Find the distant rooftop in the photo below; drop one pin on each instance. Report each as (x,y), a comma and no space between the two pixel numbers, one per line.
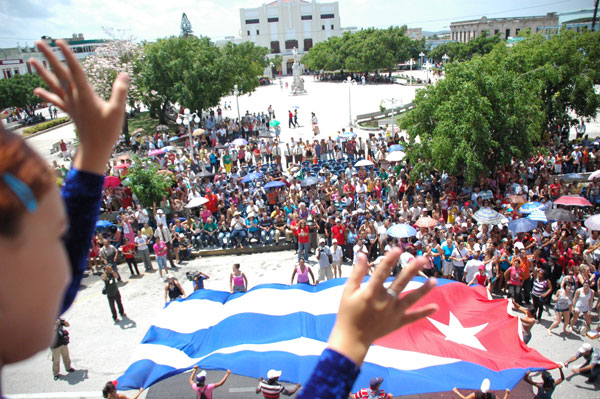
(274,3)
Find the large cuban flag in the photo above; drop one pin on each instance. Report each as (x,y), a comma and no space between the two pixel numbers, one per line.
(286,328)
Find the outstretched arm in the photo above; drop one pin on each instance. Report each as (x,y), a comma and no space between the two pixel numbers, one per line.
(227,373)
(193,375)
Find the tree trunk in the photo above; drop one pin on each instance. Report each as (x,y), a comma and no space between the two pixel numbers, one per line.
(125,128)
(162,117)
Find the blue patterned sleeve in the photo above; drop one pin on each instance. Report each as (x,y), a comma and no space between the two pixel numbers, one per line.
(332,378)
(82,194)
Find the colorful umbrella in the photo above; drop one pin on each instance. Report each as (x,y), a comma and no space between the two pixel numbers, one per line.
(274,123)
(273,184)
(487,216)
(252,176)
(593,222)
(103,224)
(538,215)
(160,128)
(156,152)
(111,181)
(198,132)
(521,225)
(426,221)
(560,215)
(401,230)
(395,147)
(530,207)
(165,172)
(572,200)
(348,135)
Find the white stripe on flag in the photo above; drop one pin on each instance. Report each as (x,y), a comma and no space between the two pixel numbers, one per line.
(269,301)
(385,357)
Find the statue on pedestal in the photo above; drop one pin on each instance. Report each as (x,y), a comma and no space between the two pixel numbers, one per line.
(298,82)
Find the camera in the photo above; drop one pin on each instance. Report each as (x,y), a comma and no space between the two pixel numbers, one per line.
(191,276)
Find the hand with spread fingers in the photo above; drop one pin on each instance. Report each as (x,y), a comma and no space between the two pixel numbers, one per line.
(98,122)
(372,311)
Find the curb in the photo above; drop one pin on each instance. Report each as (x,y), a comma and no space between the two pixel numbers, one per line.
(45,131)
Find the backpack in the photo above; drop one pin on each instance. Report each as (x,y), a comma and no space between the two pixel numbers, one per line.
(202,394)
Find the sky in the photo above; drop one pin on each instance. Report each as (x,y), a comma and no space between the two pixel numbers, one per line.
(24,21)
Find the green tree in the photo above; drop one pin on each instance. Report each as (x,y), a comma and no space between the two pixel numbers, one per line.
(477,119)
(18,92)
(246,63)
(482,45)
(147,184)
(565,68)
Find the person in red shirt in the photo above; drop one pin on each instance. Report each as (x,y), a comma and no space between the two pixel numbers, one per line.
(373,392)
(302,232)
(338,231)
(128,251)
(555,189)
(213,200)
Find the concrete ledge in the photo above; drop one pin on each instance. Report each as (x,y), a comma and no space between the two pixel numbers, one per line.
(45,131)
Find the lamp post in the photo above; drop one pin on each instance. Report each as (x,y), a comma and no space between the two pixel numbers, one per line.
(350,82)
(186,118)
(393,101)
(411,62)
(445,58)
(421,54)
(271,66)
(427,67)
(236,93)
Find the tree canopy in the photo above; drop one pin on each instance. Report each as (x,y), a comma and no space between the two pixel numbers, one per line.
(364,51)
(494,108)
(18,92)
(465,51)
(147,184)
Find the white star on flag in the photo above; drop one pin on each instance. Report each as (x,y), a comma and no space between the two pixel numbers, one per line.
(455,332)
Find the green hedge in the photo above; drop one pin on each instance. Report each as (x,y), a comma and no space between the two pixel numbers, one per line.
(45,125)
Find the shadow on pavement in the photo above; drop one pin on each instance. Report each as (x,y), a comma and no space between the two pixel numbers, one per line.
(126,323)
(75,377)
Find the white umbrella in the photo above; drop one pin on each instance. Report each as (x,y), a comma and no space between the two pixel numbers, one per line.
(395,156)
(363,162)
(538,215)
(594,175)
(197,201)
(593,222)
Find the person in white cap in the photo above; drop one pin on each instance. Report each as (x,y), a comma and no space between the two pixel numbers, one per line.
(271,388)
(325,259)
(199,385)
(483,393)
(591,367)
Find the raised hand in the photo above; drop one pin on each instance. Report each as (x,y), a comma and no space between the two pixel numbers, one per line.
(370,312)
(98,122)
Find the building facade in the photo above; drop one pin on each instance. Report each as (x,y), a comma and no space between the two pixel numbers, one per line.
(13,61)
(466,31)
(283,25)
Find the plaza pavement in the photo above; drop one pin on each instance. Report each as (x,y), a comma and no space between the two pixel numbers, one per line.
(101,350)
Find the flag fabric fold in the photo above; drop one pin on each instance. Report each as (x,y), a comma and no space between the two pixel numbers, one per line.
(274,326)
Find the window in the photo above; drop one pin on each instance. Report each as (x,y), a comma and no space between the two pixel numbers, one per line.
(275,47)
(327,16)
(274,19)
(331,26)
(257,32)
(290,44)
(308,43)
(306,17)
(248,32)
(507,33)
(323,27)
(496,31)
(517,31)
(251,21)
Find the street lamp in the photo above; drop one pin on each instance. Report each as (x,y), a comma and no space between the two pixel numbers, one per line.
(421,54)
(271,66)
(445,58)
(186,118)
(411,63)
(350,82)
(427,68)
(393,101)
(236,93)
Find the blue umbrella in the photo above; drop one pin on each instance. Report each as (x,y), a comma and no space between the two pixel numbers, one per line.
(395,147)
(275,183)
(538,215)
(573,176)
(401,231)
(252,176)
(103,223)
(174,138)
(487,216)
(348,135)
(530,207)
(522,225)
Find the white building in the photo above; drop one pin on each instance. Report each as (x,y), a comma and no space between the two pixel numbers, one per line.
(283,25)
(13,61)
(465,31)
